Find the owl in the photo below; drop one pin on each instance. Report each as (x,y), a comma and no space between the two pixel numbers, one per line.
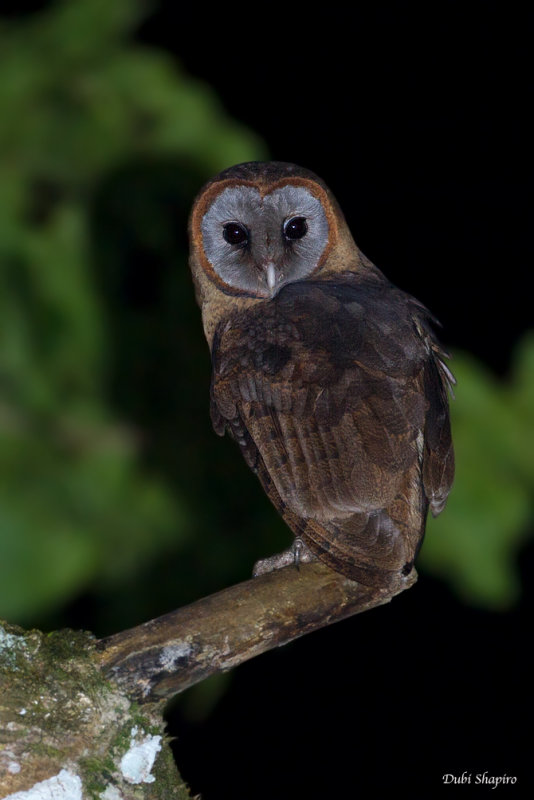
(329,378)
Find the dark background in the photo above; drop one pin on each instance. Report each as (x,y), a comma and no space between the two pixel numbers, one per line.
(416,117)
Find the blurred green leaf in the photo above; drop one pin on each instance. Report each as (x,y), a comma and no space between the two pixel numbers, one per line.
(474,544)
(79,505)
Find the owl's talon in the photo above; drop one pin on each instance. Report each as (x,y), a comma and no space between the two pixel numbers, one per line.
(298,547)
(295,555)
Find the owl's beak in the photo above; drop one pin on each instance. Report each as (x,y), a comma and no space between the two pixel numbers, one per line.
(270,275)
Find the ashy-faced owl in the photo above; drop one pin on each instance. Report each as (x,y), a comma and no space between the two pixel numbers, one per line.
(329,378)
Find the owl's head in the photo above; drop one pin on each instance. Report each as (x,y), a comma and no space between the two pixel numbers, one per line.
(258,226)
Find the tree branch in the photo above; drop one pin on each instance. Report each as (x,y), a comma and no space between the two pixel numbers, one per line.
(68,723)
(163,657)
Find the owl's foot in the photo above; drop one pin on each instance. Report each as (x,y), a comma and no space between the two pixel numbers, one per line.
(297,554)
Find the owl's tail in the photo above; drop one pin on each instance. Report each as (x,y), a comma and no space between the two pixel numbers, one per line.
(370,548)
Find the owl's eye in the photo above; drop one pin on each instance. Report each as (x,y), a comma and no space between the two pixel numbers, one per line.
(235,233)
(295,228)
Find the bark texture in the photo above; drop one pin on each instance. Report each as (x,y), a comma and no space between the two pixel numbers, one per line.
(82,718)
(167,655)
(67,733)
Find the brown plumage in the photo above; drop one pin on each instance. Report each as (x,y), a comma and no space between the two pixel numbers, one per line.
(328,377)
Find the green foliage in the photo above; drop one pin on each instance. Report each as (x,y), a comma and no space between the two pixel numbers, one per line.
(78,101)
(475,542)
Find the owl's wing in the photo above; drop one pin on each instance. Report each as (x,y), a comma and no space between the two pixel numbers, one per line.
(334,392)
(438,454)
